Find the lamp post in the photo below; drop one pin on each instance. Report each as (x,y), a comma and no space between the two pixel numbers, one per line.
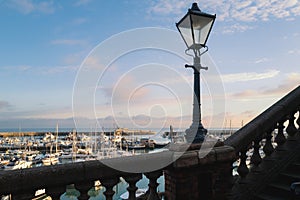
(195,28)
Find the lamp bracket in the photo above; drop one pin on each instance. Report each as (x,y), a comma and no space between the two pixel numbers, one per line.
(197,51)
(206,50)
(186,52)
(196,68)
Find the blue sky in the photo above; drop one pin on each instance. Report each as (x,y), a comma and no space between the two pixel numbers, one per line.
(254,44)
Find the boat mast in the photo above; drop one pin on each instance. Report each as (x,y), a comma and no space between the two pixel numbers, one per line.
(56,137)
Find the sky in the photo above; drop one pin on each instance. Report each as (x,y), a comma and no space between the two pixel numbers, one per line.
(62,62)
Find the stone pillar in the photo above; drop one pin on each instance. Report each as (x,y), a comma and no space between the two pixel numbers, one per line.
(132,179)
(153,176)
(193,176)
(109,184)
(55,192)
(83,189)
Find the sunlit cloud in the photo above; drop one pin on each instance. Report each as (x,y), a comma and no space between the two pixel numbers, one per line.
(231,120)
(4,105)
(291,81)
(250,76)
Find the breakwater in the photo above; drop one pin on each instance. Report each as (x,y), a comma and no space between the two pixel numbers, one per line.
(22,134)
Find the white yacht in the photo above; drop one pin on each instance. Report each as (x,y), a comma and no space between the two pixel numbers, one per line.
(50,159)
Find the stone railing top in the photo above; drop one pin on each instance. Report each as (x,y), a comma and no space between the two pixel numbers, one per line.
(61,175)
(205,156)
(266,121)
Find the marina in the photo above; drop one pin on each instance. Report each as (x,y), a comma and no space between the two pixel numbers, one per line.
(28,150)
(31,150)
(24,150)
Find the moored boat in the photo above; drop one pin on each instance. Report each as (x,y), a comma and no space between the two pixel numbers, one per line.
(50,159)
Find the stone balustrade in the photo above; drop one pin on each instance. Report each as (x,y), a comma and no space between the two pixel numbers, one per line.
(268,131)
(189,174)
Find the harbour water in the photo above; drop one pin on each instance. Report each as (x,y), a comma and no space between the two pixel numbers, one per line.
(120,189)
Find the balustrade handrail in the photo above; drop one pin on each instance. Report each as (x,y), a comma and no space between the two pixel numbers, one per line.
(266,121)
(14,181)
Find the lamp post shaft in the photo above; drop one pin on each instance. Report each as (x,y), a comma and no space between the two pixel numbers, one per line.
(197,100)
(196,133)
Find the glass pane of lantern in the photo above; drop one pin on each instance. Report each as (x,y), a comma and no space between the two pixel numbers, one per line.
(201,27)
(186,30)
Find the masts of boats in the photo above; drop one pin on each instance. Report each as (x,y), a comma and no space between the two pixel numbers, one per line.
(52,158)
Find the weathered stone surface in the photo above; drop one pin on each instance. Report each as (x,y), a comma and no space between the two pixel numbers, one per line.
(189,158)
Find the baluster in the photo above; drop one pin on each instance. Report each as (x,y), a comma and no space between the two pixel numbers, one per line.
(298,121)
(109,184)
(291,128)
(256,158)
(280,139)
(83,189)
(268,148)
(132,179)
(243,168)
(153,176)
(72,191)
(55,192)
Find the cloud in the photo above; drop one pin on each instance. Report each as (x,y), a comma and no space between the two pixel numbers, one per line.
(294,52)
(168,6)
(230,119)
(261,60)
(126,90)
(245,94)
(250,76)
(290,81)
(82,2)
(59,69)
(79,21)
(41,70)
(229,10)
(20,68)
(4,105)
(68,42)
(236,28)
(28,6)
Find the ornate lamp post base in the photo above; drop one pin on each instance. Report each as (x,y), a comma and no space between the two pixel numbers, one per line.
(196,133)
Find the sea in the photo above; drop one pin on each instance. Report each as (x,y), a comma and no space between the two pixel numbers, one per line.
(119,189)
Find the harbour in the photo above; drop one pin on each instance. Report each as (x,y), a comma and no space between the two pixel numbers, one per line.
(20,150)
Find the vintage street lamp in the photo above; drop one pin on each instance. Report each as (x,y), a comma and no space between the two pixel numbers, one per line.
(195,28)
